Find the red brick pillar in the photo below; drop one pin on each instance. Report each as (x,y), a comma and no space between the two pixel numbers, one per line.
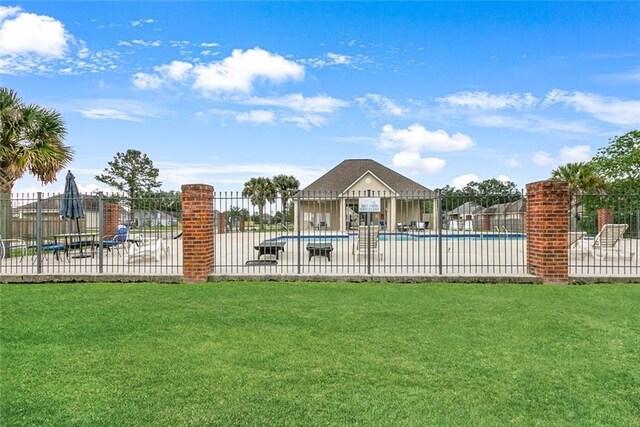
(111,215)
(605,216)
(547,231)
(222,225)
(198,245)
(486,222)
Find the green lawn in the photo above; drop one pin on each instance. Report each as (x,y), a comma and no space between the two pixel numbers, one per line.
(319,354)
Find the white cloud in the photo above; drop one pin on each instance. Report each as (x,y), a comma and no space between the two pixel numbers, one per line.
(311,109)
(298,102)
(145,43)
(328,60)
(462,180)
(416,138)
(116,109)
(108,114)
(630,76)
(307,121)
(146,81)
(141,22)
(176,70)
(566,154)
(414,161)
(304,112)
(542,158)
(7,11)
(606,109)
(253,116)
(27,33)
(531,123)
(513,162)
(338,59)
(209,44)
(257,116)
(238,72)
(380,104)
(487,101)
(577,153)
(503,178)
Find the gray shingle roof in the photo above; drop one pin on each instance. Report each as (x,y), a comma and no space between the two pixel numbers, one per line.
(519,206)
(89,203)
(338,179)
(468,208)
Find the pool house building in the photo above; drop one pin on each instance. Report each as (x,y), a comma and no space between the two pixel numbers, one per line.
(332,201)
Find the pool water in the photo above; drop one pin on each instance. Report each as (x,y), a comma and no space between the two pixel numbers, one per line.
(403,237)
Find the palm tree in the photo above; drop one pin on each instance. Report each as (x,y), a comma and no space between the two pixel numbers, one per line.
(287,186)
(260,191)
(581,178)
(31,140)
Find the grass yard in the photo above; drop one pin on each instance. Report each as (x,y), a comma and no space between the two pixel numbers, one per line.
(319,354)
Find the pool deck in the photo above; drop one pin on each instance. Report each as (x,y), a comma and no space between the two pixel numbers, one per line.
(466,256)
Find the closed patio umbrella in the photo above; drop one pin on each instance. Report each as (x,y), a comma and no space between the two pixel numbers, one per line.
(71,204)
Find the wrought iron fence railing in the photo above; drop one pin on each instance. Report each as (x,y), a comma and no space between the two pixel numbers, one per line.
(604,235)
(404,234)
(351,233)
(118,235)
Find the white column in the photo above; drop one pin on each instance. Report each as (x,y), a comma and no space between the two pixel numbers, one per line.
(391,222)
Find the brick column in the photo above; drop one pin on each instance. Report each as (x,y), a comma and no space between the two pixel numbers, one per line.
(198,245)
(486,222)
(222,224)
(112,217)
(605,216)
(547,231)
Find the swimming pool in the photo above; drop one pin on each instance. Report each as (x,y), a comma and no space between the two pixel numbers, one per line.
(401,237)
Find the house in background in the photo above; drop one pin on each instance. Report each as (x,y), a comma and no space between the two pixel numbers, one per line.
(505,217)
(332,201)
(152,218)
(464,217)
(24,216)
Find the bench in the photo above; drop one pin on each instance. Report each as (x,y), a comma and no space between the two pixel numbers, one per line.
(270,248)
(319,249)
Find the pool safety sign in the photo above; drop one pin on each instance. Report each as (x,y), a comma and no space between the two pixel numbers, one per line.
(369,204)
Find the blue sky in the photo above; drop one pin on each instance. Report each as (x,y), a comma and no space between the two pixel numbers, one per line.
(217,93)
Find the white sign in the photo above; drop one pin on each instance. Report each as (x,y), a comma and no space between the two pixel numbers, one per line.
(369,204)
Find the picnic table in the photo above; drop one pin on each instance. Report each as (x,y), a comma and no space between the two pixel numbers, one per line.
(270,247)
(320,249)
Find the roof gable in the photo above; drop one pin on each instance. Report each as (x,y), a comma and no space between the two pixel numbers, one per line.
(343,176)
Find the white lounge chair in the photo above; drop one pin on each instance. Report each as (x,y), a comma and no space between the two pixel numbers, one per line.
(368,243)
(576,245)
(154,249)
(606,242)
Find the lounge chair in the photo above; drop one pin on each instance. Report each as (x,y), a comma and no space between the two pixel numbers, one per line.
(270,247)
(606,242)
(116,242)
(154,248)
(320,249)
(368,242)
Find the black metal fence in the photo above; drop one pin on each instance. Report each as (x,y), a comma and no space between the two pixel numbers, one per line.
(604,235)
(117,236)
(400,234)
(355,233)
